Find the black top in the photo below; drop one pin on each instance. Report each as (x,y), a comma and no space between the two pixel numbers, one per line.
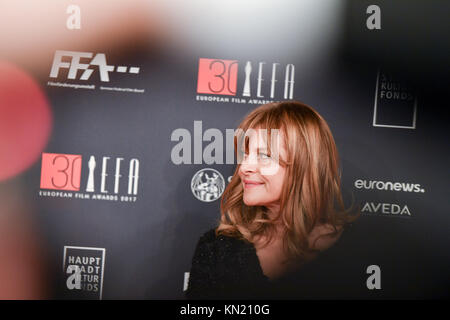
(227,268)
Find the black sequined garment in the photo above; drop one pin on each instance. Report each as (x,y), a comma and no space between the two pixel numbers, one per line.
(227,268)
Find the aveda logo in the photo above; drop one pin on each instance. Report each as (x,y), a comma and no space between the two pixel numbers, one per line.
(386,208)
(391,186)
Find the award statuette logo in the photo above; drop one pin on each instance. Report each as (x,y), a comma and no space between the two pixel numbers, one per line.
(207,185)
(83,269)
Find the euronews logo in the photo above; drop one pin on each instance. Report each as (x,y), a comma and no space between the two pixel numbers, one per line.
(388,186)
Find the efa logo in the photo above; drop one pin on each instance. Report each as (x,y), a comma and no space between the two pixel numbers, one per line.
(217,76)
(63,172)
(72,62)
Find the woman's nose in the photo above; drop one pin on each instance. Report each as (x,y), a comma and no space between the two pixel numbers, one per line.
(249,164)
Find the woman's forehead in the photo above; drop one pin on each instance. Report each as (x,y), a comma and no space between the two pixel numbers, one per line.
(259,138)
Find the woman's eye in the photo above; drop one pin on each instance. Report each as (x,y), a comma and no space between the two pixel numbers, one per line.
(264,156)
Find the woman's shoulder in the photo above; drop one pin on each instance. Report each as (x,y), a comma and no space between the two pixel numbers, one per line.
(223,267)
(221,242)
(209,236)
(226,253)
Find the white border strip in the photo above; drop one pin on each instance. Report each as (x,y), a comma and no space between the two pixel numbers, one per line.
(186,281)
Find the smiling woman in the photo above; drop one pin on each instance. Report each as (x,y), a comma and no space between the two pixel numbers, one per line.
(282,208)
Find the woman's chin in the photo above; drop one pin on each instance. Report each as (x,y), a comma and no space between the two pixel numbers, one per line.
(250,202)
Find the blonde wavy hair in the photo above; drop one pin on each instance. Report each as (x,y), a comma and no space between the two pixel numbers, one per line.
(311,194)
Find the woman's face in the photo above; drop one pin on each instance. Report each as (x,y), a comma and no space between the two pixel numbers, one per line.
(262,176)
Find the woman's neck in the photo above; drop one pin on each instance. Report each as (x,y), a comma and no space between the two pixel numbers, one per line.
(273,211)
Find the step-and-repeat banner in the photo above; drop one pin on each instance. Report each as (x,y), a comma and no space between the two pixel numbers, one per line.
(123,140)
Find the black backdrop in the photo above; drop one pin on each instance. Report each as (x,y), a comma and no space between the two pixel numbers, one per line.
(388,128)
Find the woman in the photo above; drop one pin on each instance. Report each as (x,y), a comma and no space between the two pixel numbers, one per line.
(281,209)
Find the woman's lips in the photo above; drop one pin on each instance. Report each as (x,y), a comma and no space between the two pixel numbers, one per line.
(252,184)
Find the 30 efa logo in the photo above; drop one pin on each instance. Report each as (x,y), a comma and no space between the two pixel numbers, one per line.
(63,172)
(220,77)
(83,269)
(217,76)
